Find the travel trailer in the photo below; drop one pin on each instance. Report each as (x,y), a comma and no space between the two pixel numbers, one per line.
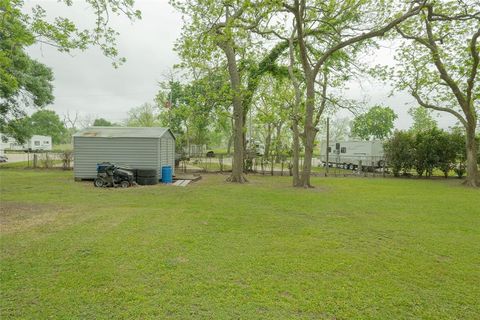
(35,143)
(256,147)
(350,154)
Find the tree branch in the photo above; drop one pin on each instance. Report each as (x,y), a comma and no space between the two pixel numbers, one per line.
(441,68)
(430,106)
(364,36)
(473,72)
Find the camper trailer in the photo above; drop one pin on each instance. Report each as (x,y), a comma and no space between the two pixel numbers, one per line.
(255,147)
(352,154)
(35,143)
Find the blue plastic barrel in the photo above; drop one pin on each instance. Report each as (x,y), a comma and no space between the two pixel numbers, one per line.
(167,174)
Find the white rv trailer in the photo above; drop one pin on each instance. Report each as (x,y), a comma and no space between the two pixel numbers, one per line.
(38,142)
(350,154)
(35,143)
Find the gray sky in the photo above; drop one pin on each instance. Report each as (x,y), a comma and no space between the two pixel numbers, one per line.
(86,82)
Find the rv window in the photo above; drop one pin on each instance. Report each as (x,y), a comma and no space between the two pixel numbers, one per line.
(37,143)
(343,150)
(46,142)
(329,149)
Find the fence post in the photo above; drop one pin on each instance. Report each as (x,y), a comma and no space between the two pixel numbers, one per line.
(35,159)
(383,165)
(271,165)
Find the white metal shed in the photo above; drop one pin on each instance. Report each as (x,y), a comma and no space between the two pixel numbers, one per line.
(139,148)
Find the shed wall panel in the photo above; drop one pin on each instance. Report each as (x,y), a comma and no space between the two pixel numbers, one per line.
(134,152)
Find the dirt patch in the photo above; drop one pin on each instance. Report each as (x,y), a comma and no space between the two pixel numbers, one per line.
(15,216)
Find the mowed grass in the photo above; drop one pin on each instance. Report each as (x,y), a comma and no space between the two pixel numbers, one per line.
(352,248)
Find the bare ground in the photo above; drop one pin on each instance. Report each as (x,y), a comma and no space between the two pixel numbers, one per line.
(15,216)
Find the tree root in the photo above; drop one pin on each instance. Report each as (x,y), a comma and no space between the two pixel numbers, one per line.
(237,179)
(303,185)
(471,184)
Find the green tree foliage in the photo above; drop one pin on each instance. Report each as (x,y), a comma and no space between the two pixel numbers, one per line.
(377,123)
(425,151)
(217,32)
(145,115)
(449,152)
(422,119)
(19,129)
(48,123)
(271,115)
(438,65)
(101,122)
(399,151)
(327,31)
(24,81)
(427,147)
(195,111)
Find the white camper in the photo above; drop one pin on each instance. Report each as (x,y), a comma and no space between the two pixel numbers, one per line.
(35,143)
(351,154)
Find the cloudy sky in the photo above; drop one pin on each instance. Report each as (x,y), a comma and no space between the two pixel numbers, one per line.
(86,82)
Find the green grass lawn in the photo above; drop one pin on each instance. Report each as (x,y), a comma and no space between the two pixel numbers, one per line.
(15,165)
(352,248)
(28,164)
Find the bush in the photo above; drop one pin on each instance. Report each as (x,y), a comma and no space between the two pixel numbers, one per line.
(426,150)
(399,151)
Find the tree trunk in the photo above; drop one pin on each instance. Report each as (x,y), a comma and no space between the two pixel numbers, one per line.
(278,141)
(268,141)
(229,143)
(238,116)
(296,153)
(310,133)
(295,170)
(472,150)
(310,75)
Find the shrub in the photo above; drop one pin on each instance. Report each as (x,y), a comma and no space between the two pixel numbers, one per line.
(426,150)
(399,151)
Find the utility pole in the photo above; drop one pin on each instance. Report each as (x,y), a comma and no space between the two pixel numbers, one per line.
(250,124)
(170,107)
(326,147)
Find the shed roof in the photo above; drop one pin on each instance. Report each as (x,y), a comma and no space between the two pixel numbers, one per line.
(123,132)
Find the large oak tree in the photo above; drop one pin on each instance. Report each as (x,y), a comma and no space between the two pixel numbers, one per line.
(339,25)
(439,66)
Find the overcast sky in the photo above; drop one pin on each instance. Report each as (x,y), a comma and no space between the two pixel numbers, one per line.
(86,82)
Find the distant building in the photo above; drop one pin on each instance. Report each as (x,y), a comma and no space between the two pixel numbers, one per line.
(35,143)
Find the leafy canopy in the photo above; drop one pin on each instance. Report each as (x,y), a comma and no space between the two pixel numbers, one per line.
(24,82)
(377,123)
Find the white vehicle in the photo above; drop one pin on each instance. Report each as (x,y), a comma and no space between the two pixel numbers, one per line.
(352,154)
(39,143)
(256,146)
(3,157)
(35,143)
